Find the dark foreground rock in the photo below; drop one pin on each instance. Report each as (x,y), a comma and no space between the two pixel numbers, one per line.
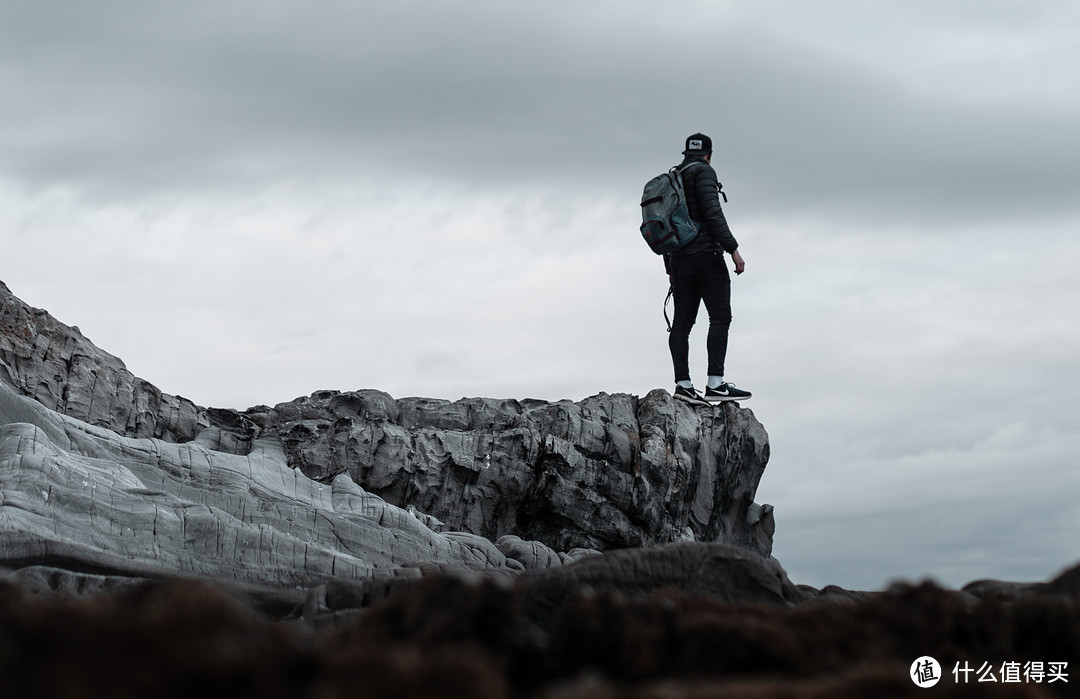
(446,636)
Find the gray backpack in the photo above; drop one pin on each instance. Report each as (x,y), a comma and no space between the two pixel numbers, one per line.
(665,219)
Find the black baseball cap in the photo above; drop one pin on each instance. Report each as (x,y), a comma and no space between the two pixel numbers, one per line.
(698,144)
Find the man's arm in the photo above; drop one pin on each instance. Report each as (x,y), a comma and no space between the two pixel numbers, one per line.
(707,193)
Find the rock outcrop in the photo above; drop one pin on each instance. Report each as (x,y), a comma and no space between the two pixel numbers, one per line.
(100,472)
(54,364)
(611,471)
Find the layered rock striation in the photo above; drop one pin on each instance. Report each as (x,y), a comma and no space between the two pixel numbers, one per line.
(100,472)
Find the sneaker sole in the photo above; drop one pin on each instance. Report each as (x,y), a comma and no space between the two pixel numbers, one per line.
(691,401)
(725,399)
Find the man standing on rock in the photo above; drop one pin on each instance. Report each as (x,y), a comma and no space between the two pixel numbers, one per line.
(698,273)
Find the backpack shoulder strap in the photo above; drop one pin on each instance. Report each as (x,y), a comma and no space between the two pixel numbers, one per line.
(686,166)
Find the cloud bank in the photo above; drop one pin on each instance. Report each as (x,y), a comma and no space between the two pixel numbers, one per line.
(252,201)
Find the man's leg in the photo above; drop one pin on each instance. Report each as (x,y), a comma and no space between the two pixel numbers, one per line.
(715,290)
(687,299)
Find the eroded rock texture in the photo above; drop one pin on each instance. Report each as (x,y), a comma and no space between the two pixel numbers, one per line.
(611,471)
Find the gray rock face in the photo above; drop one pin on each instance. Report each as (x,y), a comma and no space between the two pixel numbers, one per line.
(611,471)
(101,472)
(55,365)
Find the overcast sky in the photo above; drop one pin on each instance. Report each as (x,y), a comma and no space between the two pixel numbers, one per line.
(248,201)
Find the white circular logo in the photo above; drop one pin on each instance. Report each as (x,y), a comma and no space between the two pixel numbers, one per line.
(925,672)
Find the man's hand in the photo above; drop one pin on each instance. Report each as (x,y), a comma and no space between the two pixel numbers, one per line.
(740,264)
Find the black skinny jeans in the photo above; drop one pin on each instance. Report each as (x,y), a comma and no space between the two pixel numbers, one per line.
(696,278)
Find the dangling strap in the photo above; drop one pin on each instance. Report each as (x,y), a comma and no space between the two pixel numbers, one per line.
(670,293)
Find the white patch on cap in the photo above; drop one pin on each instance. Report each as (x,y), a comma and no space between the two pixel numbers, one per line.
(695,145)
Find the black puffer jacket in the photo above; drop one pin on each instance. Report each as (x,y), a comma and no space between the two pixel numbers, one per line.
(703,201)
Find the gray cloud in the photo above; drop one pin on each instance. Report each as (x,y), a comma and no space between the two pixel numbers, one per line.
(251,201)
(133,96)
